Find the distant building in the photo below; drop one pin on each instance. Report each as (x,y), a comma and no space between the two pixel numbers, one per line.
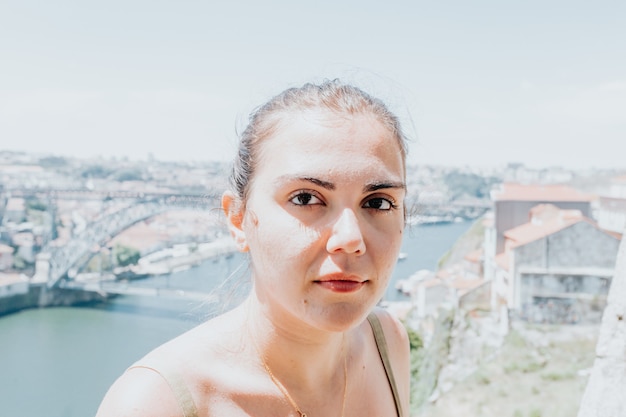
(6,257)
(13,284)
(25,242)
(612,206)
(556,268)
(15,210)
(512,204)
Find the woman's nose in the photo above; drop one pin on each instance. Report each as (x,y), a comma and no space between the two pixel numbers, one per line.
(346,235)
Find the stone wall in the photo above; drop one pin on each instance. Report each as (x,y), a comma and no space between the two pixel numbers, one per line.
(579,246)
(479,297)
(604,395)
(582,245)
(564,278)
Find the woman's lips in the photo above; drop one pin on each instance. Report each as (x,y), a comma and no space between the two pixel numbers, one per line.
(341,285)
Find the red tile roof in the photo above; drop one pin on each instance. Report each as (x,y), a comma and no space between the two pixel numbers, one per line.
(5,248)
(546,219)
(502,260)
(474,256)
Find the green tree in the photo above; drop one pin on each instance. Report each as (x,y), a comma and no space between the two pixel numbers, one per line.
(53,162)
(130,174)
(415,340)
(126,255)
(460,183)
(34,204)
(96,171)
(20,263)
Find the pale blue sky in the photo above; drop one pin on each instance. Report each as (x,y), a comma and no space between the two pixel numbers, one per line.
(477,82)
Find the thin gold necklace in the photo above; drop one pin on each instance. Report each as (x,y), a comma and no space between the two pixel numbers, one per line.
(282,388)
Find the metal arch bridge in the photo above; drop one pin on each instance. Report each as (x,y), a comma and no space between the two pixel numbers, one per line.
(63,258)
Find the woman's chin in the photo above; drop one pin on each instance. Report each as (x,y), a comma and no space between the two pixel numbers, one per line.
(341,318)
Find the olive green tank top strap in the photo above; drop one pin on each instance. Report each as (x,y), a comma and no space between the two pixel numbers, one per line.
(178,387)
(381,344)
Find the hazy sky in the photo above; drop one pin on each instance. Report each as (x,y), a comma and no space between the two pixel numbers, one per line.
(476,82)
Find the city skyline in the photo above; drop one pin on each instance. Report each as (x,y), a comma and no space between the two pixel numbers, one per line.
(482,84)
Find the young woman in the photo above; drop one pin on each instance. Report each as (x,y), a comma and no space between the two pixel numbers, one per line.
(318,202)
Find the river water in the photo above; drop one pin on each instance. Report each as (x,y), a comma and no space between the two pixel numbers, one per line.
(59,362)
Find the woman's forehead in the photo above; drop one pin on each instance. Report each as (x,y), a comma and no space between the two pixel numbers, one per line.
(324,145)
(324,117)
(315,126)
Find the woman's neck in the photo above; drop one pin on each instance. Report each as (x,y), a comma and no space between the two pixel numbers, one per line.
(295,352)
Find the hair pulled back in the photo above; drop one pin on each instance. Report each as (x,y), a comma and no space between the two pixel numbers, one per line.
(331,95)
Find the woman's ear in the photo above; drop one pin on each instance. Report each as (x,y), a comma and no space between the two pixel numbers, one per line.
(233,209)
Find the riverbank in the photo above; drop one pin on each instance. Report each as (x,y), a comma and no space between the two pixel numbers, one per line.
(183,256)
(38,295)
(21,293)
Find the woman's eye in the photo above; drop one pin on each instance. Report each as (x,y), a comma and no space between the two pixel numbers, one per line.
(379,203)
(305,199)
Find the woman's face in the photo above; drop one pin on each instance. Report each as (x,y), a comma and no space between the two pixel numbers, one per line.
(324,218)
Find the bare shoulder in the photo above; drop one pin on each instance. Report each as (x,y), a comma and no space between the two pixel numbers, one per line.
(180,372)
(159,384)
(139,392)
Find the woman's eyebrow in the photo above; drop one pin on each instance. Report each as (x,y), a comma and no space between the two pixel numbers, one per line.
(324,184)
(368,188)
(383,185)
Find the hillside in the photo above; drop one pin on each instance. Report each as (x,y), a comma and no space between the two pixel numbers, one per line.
(540,371)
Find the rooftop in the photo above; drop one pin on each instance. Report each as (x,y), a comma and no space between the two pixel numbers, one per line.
(5,248)
(9,278)
(546,219)
(15,204)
